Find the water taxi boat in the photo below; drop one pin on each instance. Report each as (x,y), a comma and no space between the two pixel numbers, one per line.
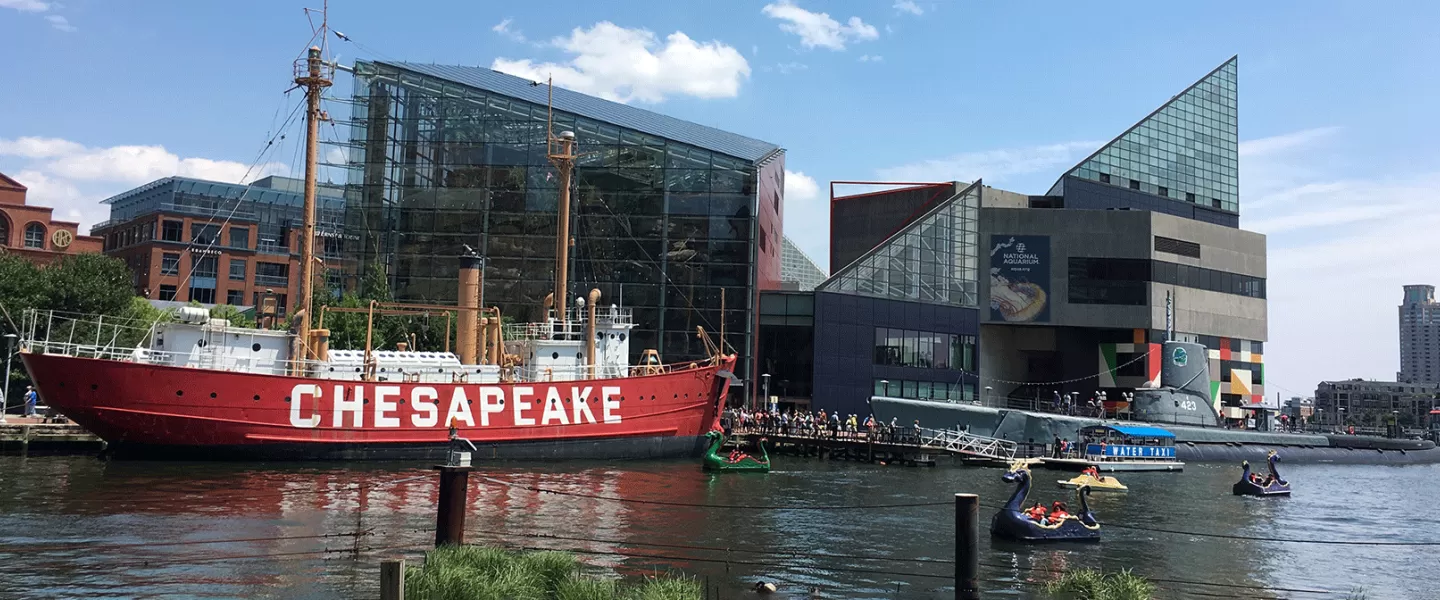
(1113,448)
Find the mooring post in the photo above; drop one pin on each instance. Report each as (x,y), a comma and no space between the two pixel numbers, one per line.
(450,518)
(967,547)
(392,580)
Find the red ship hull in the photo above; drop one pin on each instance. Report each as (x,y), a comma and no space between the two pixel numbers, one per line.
(183,412)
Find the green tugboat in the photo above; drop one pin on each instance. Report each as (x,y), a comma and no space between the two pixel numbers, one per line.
(736,461)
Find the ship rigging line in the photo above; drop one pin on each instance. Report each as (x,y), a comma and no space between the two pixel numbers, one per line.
(260,157)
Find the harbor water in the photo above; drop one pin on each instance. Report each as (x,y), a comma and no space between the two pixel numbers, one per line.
(79,527)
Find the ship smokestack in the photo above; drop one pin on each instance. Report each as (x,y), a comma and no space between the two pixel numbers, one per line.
(465,331)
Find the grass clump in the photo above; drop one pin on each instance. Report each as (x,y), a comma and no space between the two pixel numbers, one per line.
(1091,584)
(480,573)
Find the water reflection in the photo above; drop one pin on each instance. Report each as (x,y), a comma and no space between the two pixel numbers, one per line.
(143,523)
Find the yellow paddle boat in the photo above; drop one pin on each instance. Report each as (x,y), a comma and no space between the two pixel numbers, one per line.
(1095,481)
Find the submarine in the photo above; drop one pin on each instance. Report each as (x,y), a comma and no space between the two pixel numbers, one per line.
(1182,405)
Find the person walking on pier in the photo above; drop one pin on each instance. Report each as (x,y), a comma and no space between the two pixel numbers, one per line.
(30,400)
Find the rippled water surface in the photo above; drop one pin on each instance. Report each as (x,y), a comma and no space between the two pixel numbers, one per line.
(75,526)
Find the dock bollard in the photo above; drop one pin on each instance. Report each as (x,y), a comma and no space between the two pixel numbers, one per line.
(967,547)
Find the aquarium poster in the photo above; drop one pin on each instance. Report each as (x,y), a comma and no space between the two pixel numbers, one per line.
(1020,278)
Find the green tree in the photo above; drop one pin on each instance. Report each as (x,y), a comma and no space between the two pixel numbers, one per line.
(234,315)
(92,284)
(21,288)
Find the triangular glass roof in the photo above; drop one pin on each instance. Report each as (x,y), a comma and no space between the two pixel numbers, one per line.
(796,266)
(933,259)
(1187,150)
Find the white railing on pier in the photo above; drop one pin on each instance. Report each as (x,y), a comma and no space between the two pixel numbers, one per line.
(962,442)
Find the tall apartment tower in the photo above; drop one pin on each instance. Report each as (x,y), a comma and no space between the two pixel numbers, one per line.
(1419,336)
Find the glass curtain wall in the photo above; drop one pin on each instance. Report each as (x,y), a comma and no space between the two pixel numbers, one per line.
(659,226)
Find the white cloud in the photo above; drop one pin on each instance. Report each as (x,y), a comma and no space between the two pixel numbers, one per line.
(817,29)
(992,165)
(25,5)
(336,156)
(628,65)
(69,202)
(788,67)
(503,28)
(807,215)
(871,58)
(1339,252)
(72,178)
(60,23)
(909,6)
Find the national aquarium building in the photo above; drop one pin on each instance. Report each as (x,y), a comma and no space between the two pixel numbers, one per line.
(673,219)
(953,292)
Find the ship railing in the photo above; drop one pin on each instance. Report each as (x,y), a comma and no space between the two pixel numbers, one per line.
(129,340)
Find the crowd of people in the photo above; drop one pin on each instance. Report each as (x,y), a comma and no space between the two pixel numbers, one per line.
(1069,403)
(820,424)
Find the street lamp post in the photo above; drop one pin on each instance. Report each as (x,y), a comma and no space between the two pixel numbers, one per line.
(989,392)
(765,385)
(5,393)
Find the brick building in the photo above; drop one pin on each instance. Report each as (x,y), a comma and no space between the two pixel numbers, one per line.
(28,230)
(218,243)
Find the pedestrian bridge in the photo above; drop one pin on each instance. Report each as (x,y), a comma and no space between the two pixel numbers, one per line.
(910,444)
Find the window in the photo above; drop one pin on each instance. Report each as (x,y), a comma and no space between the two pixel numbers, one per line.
(279,305)
(240,237)
(235,297)
(202,295)
(924,349)
(1189,196)
(172,231)
(203,266)
(237,269)
(1177,247)
(4,232)
(35,236)
(167,292)
(169,264)
(1215,202)
(1118,281)
(204,233)
(1134,185)
(1164,191)
(1104,178)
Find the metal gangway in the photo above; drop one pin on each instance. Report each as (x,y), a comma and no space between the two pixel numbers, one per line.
(955,441)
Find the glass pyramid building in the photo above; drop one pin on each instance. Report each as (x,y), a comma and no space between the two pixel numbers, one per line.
(1187,150)
(797,267)
(933,259)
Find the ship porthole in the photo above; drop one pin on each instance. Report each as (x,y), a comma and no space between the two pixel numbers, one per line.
(94,387)
(201,343)
(600,335)
(179,392)
(622,337)
(212,394)
(287,399)
(255,347)
(554,356)
(579,356)
(257,397)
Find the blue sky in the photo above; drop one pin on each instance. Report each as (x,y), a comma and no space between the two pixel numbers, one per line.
(1336,108)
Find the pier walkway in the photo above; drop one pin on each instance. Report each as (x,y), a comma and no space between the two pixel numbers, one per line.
(35,434)
(908,445)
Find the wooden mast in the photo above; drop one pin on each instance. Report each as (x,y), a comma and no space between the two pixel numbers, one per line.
(313,75)
(561,152)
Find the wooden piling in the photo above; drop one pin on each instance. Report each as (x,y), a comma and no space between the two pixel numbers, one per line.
(967,547)
(450,516)
(392,579)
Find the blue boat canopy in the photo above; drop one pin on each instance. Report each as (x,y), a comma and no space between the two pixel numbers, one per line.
(1134,431)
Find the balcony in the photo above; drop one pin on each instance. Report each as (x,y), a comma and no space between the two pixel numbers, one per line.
(272,280)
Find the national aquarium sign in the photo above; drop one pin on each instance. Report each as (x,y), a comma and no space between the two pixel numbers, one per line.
(1020,278)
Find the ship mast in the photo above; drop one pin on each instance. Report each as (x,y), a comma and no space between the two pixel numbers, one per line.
(313,75)
(561,152)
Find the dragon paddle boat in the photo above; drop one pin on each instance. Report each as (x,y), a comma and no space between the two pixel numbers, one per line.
(1016,522)
(736,461)
(1092,479)
(1252,484)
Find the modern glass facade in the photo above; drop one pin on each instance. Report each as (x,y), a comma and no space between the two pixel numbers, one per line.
(934,259)
(445,157)
(797,268)
(1187,150)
